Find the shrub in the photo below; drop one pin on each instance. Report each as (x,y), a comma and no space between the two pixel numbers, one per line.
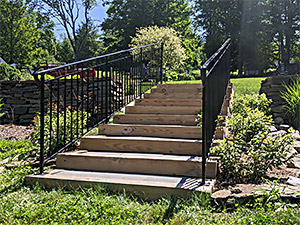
(291,95)
(251,150)
(8,72)
(58,139)
(242,104)
(174,52)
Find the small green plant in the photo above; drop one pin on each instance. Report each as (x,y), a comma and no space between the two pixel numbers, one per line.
(244,103)
(291,95)
(8,72)
(172,75)
(1,104)
(199,118)
(54,134)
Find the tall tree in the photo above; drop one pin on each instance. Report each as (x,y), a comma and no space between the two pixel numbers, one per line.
(67,13)
(21,33)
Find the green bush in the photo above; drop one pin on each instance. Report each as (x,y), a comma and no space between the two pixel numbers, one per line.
(57,138)
(291,95)
(251,150)
(8,72)
(242,104)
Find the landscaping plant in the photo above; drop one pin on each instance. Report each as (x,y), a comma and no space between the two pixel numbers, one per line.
(1,104)
(251,150)
(291,95)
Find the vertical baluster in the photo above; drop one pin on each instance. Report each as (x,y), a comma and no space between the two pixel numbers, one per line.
(42,127)
(65,110)
(50,115)
(57,116)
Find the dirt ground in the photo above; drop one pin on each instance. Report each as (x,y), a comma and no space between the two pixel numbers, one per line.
(15,132)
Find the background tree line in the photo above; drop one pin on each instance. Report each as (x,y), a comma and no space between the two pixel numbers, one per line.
(264,33)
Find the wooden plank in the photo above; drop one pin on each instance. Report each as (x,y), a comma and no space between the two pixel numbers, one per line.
(173,95)
(179,86)
(168,131)
(169,102)
(149,187)
(173,110)
(140,163)
(142,144)
(192,89)
(188,120)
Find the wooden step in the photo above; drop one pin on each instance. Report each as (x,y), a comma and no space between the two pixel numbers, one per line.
(169,102)
(169,89)
(172,110)
(175,95)
(142,145)
(140,163)
(167,131)
(149,187)
(180,86)
(188,120)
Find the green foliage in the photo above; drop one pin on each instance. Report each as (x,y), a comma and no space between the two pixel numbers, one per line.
(8,72)
(251,150)
(291,96)
(199,116)
(58,139)
(1,104)
(11,149)
(174,53)
(25,35)
(242,104)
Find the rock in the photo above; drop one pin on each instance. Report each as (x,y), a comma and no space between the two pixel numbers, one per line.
(296,135)
(297,146)
(4,161)
(1,169)
(291,152)
(278,120)
(284,127)
(221,194)
(273,129)
(294,162)
(293,181)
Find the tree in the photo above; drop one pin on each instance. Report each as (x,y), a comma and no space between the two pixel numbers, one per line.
(174,53)
(67,13)
(124,16)
(21,33)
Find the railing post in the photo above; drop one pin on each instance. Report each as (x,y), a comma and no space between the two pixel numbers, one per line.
(161,62)
(42,122)
(142,72)
(204,129)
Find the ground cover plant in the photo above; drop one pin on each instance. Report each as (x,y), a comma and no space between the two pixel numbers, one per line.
(26,205)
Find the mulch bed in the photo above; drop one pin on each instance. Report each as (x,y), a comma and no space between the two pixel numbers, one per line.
(15,132)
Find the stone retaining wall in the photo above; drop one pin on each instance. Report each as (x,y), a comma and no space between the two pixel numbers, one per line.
(22,99)
(272,87)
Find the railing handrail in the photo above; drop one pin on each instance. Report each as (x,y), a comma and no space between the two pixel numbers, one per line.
(97,57)
(214,56)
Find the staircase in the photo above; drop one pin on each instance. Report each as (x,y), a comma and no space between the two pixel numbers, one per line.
(154,149)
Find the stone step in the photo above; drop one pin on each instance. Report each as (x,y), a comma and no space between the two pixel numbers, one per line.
(148,187)
(171,110)
(169,102)
(175,95)
(140,163)
(142,145)
(188,120)
(167,131)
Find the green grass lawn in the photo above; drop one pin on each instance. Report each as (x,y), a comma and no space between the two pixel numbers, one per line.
(34,205)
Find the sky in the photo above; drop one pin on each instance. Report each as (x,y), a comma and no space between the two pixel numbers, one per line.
(98,14)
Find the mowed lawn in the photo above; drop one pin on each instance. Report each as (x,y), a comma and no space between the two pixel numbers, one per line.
(34,205)
(242,85)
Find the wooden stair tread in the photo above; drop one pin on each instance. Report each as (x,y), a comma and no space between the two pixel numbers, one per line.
(149,186)
(177,110)
(137,156)
(141,163)
(169,102)
(169,131)
(159,119)
(142,144)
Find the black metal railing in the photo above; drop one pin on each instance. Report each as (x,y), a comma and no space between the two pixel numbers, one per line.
(81,95)
(215,75)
